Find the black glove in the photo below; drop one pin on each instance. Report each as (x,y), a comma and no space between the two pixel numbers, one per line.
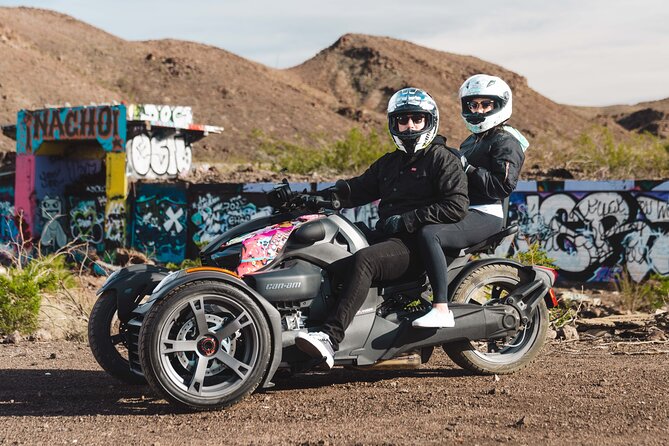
(465,164)
(393,225)
(279,197)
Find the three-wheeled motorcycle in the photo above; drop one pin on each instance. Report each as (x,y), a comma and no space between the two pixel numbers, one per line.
(206,337)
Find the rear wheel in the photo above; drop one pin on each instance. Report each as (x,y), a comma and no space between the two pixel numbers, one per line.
(107,339)
(489,285)
(205,345)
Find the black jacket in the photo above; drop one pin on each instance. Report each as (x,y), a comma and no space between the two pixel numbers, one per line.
(426,187)
(498,157)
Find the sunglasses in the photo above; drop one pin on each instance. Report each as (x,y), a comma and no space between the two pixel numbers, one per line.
(404,119)
(474,105)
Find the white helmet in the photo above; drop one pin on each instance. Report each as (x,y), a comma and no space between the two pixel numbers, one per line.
(413,101)
(485,86)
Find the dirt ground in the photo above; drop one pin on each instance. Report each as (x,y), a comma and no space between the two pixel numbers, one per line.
(581,392)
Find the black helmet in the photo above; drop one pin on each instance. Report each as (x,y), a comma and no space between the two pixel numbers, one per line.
(413,101)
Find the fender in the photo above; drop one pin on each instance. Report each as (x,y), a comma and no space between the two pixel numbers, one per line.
(527,269)
(212,273)
(131,284)
(471,266)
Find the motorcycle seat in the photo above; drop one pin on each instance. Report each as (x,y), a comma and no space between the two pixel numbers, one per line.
(491,243)
(413,279)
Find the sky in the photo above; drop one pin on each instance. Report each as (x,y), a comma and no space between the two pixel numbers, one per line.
(576,52)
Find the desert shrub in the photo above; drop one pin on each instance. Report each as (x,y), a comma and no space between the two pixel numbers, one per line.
(648,295)
(600,155)
(187,263)
(535,255)
(21,288)
(350,155)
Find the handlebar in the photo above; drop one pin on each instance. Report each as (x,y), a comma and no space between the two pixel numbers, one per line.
(282,198)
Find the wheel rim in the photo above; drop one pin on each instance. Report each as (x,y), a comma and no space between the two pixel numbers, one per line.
(208,345)
(507,350)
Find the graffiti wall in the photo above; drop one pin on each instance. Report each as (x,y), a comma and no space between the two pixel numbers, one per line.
(8,229)
(594,230)
(158,154)
(215,208)
(159,221)
(168,115)
(71,199)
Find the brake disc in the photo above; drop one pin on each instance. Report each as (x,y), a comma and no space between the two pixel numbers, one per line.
(187,332)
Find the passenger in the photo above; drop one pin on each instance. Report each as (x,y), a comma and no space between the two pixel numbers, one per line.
(492,157)
(420,182)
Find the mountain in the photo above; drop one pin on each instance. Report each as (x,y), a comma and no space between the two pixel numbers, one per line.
(50,58)
(652,117)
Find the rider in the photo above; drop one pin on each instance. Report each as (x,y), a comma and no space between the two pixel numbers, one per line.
(492,157)
(420,182)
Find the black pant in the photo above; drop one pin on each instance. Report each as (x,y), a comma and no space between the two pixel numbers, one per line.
(434,238)
(389,259)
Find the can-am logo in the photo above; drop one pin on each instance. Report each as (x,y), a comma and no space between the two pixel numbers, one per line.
(283,285)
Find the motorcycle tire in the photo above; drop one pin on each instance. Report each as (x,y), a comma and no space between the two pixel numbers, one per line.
(107,340)
(500,356)
(205,345)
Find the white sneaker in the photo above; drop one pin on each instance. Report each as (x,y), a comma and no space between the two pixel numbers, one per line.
(317,345)
(435,319)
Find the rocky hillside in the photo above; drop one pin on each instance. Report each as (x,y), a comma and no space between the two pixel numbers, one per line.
(52,59)
(652,117)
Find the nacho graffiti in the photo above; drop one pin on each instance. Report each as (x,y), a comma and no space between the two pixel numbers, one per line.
(594,236)
(104,123)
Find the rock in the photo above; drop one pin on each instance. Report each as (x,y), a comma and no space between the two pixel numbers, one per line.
(569,296)
(635,320)
(41,335)
(551,334)
(598,332)
(568,333)
(13,338)
(656,334)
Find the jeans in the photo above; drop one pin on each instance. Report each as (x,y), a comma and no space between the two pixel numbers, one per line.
(389,259)
(434,238)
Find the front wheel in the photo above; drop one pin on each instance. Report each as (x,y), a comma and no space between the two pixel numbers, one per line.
(489,285)
(107,339)
(205,345)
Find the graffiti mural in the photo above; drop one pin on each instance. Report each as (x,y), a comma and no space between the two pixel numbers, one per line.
(215,208)
(87,214)
(115,223)
(71,197)
(213,215)
(158,154)
(106,124)
(53,236)
(174,116)
(159,221)
(593,236)
(8,229)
